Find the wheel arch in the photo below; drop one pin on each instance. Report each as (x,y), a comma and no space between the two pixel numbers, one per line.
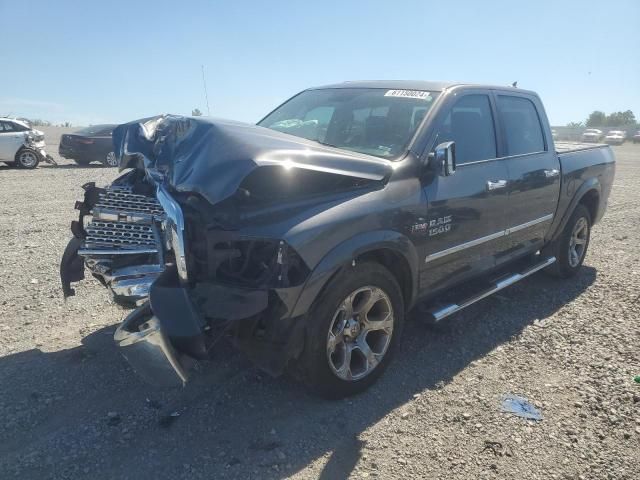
(391,249)
(588,195)
(591,200)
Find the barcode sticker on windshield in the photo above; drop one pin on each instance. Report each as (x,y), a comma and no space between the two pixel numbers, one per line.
(409,94)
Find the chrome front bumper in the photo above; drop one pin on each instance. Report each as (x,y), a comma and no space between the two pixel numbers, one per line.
(146,347)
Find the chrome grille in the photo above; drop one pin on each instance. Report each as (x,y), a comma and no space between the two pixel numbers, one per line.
(122,199)
(125,226)
(119,235)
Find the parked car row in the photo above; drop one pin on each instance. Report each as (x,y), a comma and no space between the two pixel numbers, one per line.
(613,137)
(24,146)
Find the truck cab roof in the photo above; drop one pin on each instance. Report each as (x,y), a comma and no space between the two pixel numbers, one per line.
(416,85)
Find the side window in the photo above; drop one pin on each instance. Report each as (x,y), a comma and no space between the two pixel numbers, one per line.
(19,128)
(470,125)
(521,125)
(6,127)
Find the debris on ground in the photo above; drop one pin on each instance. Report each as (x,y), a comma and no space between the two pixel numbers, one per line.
(166,420)
(113,418)
(520,407)
(497,448)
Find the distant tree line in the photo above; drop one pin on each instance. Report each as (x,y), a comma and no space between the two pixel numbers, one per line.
(38,122)
(601,119)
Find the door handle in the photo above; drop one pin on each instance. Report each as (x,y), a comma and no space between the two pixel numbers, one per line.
(551,173)
(496,185)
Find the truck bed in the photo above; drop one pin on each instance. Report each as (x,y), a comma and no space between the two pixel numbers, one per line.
(567,147)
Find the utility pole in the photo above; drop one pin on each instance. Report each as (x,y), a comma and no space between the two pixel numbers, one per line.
(206,96)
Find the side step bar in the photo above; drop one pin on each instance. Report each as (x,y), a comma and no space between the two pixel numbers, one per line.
(442,312)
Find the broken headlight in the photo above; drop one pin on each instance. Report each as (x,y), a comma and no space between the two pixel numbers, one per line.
(251,263)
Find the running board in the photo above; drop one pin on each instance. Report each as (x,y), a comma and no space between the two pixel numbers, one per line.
(442,312)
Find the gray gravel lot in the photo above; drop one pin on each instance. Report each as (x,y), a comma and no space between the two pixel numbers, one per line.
(70,407)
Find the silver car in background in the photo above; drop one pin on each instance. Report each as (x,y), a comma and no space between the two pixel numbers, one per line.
(615,137)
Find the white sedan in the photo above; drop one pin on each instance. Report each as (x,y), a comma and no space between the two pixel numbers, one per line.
(20,144)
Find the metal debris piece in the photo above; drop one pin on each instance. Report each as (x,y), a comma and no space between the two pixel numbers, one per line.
(521,407)
(497,449)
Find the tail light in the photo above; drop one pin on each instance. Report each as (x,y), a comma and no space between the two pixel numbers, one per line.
(85,141)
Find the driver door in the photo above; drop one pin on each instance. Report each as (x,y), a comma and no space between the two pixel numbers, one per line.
(466,211)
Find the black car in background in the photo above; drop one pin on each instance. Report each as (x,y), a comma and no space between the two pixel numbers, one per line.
(91,144)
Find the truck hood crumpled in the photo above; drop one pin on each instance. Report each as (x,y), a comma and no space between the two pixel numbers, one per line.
(211,157)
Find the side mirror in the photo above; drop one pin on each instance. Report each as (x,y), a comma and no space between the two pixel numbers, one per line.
(445,158)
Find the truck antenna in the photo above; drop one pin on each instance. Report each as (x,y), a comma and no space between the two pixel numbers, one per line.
(206,97)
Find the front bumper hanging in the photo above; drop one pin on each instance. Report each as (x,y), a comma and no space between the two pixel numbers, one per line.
(146,347)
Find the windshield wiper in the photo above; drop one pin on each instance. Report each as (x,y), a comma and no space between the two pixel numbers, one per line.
(327,144)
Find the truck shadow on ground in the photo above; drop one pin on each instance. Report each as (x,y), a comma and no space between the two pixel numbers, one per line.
(233,420)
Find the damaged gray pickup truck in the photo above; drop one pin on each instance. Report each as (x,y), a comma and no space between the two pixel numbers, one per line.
(306,238)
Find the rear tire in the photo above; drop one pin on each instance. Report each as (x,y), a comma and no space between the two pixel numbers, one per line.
(348,348)
(570,247)
(27,159)
(110,160)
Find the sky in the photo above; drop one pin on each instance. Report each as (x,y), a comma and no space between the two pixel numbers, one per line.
(92,62)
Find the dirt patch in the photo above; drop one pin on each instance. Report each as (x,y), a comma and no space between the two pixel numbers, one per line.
(70,407)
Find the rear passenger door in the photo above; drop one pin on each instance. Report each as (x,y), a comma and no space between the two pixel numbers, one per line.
(466,218)
(534,171)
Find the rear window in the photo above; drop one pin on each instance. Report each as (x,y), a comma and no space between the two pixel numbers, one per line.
(521,125)
(18,127)
(96,130)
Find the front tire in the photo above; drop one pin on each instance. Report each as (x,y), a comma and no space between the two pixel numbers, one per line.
(27,159)
(353,331)
(570,247)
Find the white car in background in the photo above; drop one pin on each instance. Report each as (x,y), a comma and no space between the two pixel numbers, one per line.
(615,137)
(20,144)
(592,135)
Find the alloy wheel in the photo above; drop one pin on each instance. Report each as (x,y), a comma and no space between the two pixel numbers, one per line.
(360,333)
(111,160)
(578,241)
(28,159)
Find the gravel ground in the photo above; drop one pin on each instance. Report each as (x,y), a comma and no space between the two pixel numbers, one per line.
(70,407)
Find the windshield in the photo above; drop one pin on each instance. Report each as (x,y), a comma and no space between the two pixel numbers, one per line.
(367,120)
